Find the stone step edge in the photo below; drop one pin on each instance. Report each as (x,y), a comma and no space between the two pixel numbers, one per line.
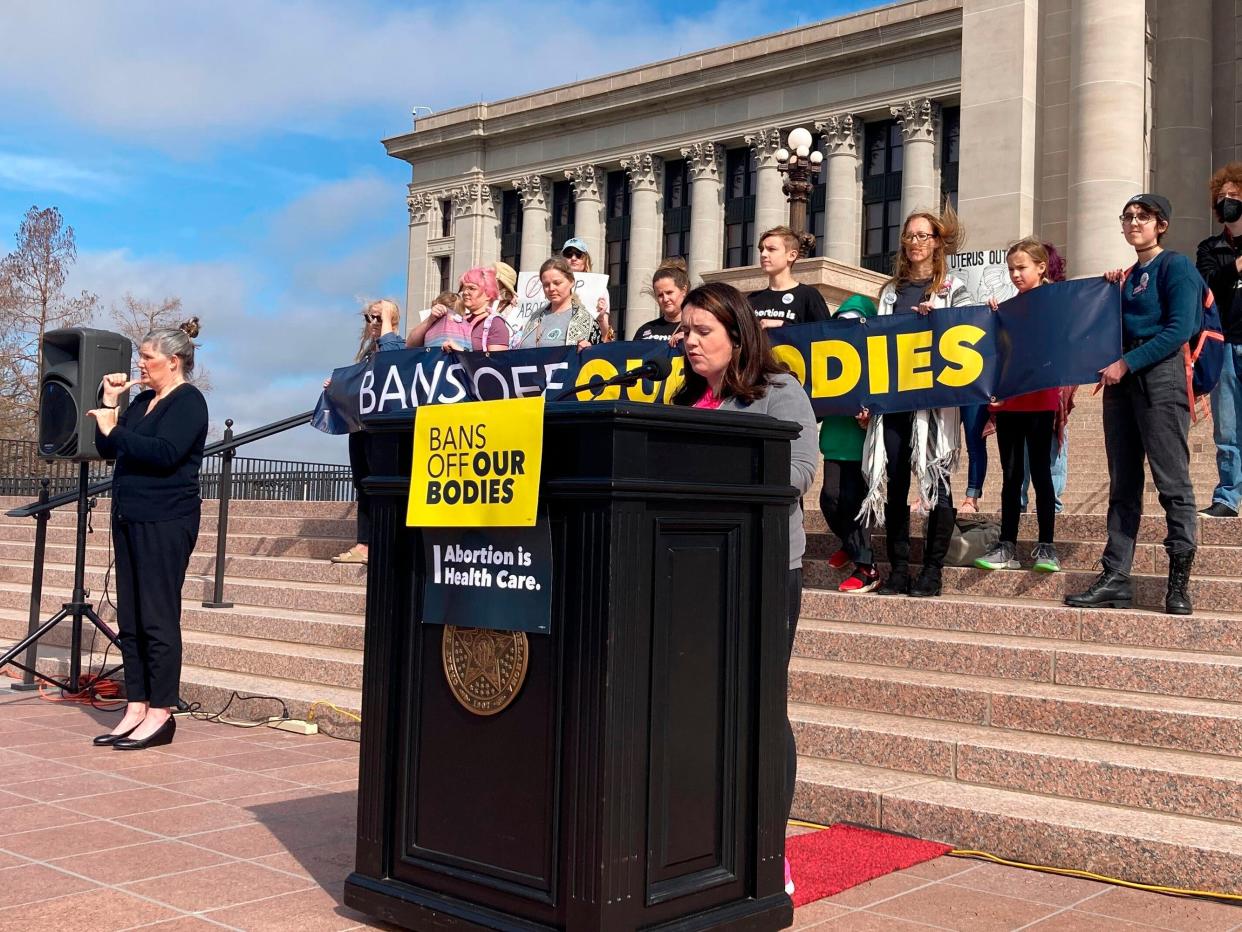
(1014,641)
(1094,837)
(1024,688)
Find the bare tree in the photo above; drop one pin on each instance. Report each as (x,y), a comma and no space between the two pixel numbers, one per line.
(135,318)
(33,301)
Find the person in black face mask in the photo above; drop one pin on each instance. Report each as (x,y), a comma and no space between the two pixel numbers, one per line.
(1219,261)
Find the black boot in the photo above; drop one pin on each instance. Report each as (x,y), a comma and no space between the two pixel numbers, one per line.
(1177,598)
(939,534)
(1110,590)
(897,534)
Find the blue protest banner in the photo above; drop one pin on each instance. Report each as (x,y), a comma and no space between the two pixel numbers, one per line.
(1056,335)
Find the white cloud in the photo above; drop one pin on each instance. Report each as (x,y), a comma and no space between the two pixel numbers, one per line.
(274,325)
(179,75)
(45,173)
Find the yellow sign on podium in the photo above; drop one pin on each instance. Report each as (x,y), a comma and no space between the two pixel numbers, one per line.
(477,464)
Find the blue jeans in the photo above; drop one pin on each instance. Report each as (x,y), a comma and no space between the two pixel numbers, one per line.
(1226,413)
(1060,470)
(974,419)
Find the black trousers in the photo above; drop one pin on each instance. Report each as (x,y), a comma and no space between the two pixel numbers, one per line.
(791,747)
(360,464)
(1020,434)
(840,498)
(1148,414)
(151,560)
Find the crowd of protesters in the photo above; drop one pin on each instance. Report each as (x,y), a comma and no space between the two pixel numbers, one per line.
(875,465)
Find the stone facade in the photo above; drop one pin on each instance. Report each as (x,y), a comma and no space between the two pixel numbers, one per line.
(1051,112)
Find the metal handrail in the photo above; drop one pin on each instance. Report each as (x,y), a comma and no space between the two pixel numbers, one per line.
(226,448)
(229,444)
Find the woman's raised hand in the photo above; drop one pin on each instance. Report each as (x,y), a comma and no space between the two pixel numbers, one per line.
(1114,275)
(116,384)
(992,302)
(924,308)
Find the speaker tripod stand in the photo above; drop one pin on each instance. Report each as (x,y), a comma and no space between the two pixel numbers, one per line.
(75,610)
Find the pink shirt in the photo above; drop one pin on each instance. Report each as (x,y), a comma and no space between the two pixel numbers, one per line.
(708,400)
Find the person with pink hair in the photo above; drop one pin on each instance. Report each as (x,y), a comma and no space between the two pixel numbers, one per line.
(488,330)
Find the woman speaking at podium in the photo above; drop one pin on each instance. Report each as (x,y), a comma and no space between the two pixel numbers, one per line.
(158,446)
(730,365)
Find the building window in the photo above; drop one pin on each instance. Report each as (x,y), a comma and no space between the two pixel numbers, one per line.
(817,205)
(950,152)
(676,209)
(444,272)
(739,207)
(882,218)
(511,228)
(617,246)
(446,217)
(562,214)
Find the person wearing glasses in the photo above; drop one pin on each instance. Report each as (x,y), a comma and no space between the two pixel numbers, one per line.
(1219,261)
(923,441)
(380,322)
(1146,409)
(575,253)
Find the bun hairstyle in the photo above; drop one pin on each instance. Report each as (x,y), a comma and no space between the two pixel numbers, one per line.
(176,341)
(675,269)
(1039,251)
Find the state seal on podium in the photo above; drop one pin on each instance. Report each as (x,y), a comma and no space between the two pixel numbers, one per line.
(485,669)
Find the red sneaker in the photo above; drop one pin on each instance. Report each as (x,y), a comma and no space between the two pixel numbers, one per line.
(838,560)
(863,579)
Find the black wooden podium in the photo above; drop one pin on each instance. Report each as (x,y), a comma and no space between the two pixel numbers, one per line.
(635,782)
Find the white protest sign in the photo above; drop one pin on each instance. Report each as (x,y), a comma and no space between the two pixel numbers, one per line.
(590,286)
(985,273)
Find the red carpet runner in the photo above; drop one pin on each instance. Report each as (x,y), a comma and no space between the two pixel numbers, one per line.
(835,859)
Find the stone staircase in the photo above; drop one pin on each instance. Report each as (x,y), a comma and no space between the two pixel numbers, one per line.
(294,631)
(992,718)
(998,719)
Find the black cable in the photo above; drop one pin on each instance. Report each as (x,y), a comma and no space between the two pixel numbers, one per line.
(196,711)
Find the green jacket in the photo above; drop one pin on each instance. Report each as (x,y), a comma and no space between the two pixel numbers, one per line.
(840,436)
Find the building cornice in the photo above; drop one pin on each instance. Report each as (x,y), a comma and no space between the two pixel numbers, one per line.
(820,50)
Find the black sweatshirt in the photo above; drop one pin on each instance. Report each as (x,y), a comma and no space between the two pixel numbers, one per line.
(157,456)
(1217,262)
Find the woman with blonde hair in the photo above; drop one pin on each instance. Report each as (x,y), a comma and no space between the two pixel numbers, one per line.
(380,322)
(575,253)
(560,322)
(925,442)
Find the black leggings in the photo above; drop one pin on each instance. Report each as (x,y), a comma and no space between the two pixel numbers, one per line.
(360,465)
(898,428)
(1021,434)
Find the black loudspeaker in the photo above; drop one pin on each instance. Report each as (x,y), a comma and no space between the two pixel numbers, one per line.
(75,360)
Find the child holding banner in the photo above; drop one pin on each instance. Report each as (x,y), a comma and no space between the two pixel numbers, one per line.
(923,441)
(841,439)
(784,301)
(1024,428)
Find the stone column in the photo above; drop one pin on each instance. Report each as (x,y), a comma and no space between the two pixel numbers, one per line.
(416,286)
(476,229)
(588,182)
(771,208)
(842,188)
(1107,158)
(536,194)
(1182,143)
(1001,57)
(706,161)
(646,175)
(918,174)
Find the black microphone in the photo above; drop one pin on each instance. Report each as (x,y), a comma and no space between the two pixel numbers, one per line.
(654,370)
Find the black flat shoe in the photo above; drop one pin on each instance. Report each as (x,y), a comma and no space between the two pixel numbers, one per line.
(102,741)
(161,736)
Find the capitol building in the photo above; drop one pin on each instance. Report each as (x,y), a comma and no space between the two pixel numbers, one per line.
(1031,116)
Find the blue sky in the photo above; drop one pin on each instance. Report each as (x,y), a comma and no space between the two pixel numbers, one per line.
(229,153)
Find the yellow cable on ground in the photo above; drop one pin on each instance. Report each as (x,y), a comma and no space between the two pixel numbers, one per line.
(310,713)
(1068,871)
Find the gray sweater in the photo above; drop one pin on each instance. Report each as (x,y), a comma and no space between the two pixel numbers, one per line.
(786,400)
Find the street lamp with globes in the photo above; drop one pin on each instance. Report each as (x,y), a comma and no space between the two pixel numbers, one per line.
(800,168)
